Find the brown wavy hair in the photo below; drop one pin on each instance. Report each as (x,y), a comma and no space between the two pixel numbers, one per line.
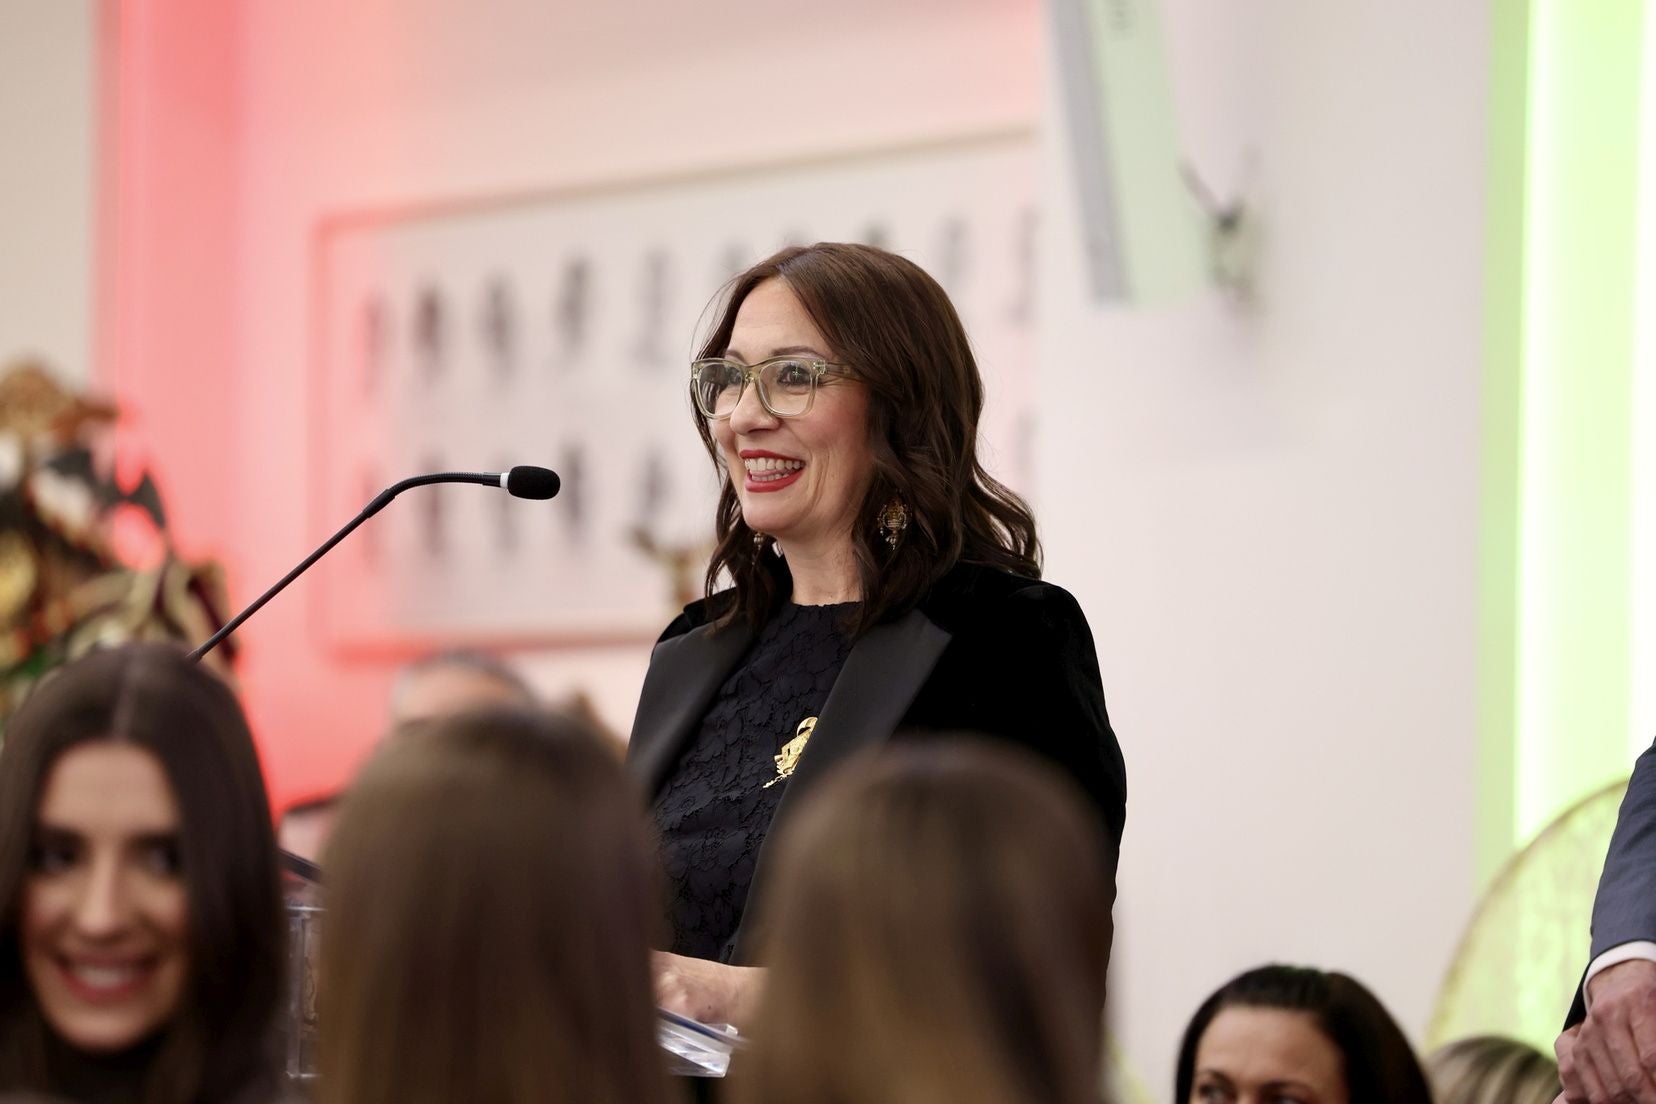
(491,906)
(940,934)
(221,1042)
(894,326)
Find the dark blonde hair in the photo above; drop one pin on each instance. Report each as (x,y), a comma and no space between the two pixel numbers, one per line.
(894,326)
(490,909)
(1490,1069)
(221,1042)
(939,935)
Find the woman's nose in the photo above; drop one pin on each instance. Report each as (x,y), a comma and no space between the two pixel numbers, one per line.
(103,905)
(750,413)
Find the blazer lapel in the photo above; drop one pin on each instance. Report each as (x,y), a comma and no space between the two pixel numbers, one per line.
(880,679)
(685,672)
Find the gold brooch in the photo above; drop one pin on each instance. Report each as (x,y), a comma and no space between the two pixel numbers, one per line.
(788,760)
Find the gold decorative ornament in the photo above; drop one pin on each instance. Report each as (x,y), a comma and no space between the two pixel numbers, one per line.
(85,556)
(788,760)
(894,518)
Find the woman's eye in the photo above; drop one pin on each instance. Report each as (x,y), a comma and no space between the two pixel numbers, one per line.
(53,856)
(794,373)
(161,857)
(1210,1093)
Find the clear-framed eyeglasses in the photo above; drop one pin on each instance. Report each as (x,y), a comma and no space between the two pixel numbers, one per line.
(787,385)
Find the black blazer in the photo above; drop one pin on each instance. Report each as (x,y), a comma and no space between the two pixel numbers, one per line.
(985,652)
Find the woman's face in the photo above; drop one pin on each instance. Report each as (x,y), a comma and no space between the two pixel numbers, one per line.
(1266,1056)
(799,479)
(105,912)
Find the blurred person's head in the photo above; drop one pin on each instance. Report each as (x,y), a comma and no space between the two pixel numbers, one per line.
(449,682)
(1294,1033)
(490,913)
(141,934)
(305,825)
(1490,1069)
(865,435)
(942,914)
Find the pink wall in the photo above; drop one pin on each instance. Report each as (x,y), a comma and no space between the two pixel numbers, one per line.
(166,242)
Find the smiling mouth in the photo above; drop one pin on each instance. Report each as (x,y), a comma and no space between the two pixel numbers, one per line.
(770,469)
(105,981)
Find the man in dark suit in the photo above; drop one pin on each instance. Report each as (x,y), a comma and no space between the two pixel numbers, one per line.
(1608,1050)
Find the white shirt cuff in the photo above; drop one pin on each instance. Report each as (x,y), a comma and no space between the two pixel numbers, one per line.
(1622,952)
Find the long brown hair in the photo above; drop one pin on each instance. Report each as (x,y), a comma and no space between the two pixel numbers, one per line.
(220,1043)
(488,924)
(939,935)
(896,329)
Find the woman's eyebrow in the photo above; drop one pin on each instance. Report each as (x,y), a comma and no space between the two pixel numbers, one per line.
(785,350)
(161,838)
(1297,1086)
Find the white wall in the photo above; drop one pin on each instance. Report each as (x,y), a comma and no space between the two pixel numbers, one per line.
(48,116)
(1271,517)
(392,101)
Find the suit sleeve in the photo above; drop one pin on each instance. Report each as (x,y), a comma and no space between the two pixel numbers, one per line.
(1624,911)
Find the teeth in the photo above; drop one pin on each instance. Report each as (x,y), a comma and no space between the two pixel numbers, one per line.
(758,464)
(104,977)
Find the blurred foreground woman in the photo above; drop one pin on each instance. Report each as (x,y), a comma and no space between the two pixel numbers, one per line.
(141,939)
(490,911)
(942,930)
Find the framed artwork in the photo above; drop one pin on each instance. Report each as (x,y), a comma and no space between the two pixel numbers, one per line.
(557,329)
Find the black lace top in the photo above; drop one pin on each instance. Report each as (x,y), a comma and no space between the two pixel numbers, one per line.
(715,809)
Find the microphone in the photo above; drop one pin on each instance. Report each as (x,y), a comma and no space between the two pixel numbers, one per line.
(523,481)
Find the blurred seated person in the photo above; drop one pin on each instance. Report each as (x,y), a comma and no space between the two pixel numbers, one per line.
(1490,1069)
(1294,1033)
(142,943)
(939,933)
(305,825)
(490,911)
(448,682)
(433,686)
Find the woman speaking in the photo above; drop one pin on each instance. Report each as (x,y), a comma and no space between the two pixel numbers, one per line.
(880,585)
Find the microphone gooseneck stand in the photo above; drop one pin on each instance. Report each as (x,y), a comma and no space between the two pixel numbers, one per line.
(523,481)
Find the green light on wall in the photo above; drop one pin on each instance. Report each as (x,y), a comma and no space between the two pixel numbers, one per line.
(1576,509)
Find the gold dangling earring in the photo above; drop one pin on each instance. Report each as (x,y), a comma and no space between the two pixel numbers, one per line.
(894,519)
(759,540)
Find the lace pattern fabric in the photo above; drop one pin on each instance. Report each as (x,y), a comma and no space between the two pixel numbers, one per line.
(715,809)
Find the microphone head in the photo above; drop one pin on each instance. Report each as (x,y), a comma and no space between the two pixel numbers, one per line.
(528,481)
